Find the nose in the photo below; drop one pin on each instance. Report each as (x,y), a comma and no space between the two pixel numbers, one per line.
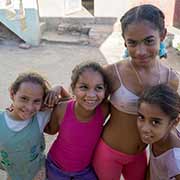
(91,93)
(140,50)
(29,106)
(146,128)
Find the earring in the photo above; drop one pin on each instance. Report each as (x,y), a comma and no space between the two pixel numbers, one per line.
(162,50)
(126,53)
(10,108)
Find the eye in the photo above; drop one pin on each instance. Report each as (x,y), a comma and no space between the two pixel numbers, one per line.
(131,43)
(83,87)
(155,122)
(149,42)
(100,88)
(38,101)
(140,117)
(23,98)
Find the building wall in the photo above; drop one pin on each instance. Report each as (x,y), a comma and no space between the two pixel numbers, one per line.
(167,6)
(116,8)
(58,8)
(112,8)
(176,18)
(46,9)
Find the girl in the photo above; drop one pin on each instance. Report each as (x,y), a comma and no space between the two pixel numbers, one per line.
(79,123)
(121,146)
(158,116)
(21,128)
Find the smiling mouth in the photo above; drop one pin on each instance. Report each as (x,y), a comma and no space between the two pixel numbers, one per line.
(147,137)
(27,113)
(90,102)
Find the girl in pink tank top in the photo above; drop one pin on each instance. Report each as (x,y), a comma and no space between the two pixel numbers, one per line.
(79,124)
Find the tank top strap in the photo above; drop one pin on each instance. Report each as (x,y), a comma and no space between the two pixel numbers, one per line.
(159,70)
(169,74)
(117,72)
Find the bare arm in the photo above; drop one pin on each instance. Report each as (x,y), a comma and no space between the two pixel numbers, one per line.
(55,95)
(56,117)
(111,76)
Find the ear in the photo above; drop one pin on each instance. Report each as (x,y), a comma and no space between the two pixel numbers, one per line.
(11,93)
(176,121)
(163,34)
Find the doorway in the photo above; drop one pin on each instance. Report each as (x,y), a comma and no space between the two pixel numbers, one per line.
(89,5)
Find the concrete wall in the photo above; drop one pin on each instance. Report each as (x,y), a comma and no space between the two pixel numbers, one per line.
(112,8)
(71,6)
(58,8)
(176,18)
(116,8)
(167,6)
(47,8)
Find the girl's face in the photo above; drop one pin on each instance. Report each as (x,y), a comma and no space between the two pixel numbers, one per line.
(143,42)
(89,89)
(27,100)
(153,124)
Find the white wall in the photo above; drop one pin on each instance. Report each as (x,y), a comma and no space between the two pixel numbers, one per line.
(51,8)
(110,8)
(71,6)
(15,4)
(58,8)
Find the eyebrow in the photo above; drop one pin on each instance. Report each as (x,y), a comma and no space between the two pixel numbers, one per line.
(153,118)
(148,37)
(157,119)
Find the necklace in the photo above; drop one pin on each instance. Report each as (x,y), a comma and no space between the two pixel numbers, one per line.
(139,77)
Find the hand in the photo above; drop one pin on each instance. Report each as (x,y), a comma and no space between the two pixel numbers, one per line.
(51,99)
(58,93)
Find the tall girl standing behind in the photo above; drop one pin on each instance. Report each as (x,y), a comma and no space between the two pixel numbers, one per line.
(21,129)
(143,30)
(158,116)
(79,123)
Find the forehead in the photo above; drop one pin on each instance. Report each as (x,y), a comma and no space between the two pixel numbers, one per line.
(90,75)
(140,30)
(29,88)
(152,111)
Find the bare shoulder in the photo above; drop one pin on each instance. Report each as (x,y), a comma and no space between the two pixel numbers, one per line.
(170,76)
(174,80)
(112,71)
(109,70)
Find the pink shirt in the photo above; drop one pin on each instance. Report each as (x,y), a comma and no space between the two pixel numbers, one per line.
(74,146)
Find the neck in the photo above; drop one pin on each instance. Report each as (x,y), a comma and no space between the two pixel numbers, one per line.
(146,67)
(82,114)
(163,145)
